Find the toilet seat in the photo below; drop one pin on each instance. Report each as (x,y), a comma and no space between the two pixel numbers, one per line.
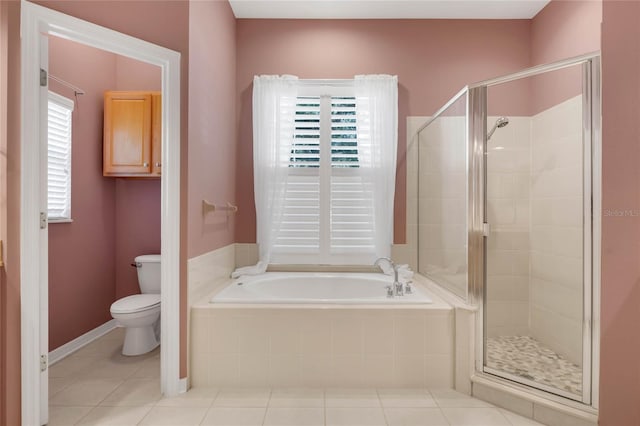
(135,303)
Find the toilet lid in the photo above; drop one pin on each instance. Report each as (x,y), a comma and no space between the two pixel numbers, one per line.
(135,303)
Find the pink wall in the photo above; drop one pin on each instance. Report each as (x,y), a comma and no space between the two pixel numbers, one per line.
(81,253)
(3,203)
(137,202)
(11,290)
(433,60)
(137,231)
(212,123)
(563,29)
(620,306)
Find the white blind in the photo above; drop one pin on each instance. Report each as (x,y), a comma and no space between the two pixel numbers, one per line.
(59,157)
(328,212)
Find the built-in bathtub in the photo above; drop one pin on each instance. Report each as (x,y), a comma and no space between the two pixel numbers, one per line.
(321,330)
(317,287)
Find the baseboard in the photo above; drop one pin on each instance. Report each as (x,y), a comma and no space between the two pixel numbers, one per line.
(183,385)
(77,343)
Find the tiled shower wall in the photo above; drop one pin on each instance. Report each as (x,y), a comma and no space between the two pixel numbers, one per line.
(442,201)
(508,194)
(535,208)
(557,228)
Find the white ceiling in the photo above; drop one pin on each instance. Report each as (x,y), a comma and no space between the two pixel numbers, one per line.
(387,9)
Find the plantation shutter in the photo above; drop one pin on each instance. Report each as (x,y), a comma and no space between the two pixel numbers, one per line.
(60,111)
(352,215)
(328,212)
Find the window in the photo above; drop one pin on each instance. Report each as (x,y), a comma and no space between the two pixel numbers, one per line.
(60,111)
(328,210)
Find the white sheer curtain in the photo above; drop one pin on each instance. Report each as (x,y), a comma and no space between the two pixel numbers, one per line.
(377,131)
(274,103)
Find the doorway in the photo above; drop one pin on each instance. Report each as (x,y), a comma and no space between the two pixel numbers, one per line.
(38,23)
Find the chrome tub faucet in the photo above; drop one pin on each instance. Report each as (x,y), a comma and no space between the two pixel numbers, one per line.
(396,289)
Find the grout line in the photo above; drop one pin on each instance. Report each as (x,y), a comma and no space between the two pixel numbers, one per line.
(266,409)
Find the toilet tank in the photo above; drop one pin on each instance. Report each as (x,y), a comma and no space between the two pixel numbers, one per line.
(148,267)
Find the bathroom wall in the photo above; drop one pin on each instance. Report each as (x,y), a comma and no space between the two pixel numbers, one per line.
(3,207)
(433,60)
(561,30)
(557,228)
(11,288)
(212,124)
(442,200)
(137,201)
(82,253)
(508,207)
(620,340)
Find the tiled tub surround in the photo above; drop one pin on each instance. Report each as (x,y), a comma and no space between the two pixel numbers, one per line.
(442,200)
(314,345)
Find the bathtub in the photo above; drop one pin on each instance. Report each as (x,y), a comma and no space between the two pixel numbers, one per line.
(321,330)
(316,287)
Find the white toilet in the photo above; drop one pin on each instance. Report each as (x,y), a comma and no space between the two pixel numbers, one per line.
(140,313)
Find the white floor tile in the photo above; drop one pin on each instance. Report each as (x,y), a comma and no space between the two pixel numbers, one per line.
(479,416)
(363,416)
(517,420)
(222,416)
(294,417)
(64,416)
(406,398)
(352,398)
(89,392)
(117,367)
(56,384)
(452,398)
(174,416)
(242,398)
(195,397)
(135,393)
(149,369)
(115,416)
(71,366)
(293,397)
(415,417)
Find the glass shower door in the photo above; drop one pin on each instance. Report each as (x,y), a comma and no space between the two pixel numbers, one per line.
(537,253)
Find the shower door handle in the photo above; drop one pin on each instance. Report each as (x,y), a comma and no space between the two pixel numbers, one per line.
(486,229)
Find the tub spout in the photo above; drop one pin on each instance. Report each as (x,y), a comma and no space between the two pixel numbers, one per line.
(396,287)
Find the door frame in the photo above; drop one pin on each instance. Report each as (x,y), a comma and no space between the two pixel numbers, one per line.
(37,20)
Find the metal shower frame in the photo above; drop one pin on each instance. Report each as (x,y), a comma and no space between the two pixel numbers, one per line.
(476,123)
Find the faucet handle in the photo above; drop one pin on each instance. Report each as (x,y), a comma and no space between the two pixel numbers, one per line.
(389,291)
(407,287)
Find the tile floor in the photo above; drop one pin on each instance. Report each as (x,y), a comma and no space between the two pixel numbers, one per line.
(99,386)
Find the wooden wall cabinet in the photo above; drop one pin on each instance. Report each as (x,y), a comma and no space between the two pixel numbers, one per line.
(132,134)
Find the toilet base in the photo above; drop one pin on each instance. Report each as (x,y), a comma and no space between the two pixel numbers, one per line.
(139,340)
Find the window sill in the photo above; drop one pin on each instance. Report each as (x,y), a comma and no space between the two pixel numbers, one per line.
(52,221)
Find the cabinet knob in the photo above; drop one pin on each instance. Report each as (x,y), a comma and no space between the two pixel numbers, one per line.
(145,164)
(158,165)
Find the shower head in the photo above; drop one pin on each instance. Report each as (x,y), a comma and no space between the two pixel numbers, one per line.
(500,123)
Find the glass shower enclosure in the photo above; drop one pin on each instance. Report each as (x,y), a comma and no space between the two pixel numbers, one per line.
(507,190)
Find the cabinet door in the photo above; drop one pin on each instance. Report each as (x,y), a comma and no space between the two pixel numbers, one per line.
(156,134)
(127,133)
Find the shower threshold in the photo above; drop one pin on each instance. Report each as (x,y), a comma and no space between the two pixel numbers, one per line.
(525,357)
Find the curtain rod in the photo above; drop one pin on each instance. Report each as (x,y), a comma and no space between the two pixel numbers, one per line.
(76,89)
